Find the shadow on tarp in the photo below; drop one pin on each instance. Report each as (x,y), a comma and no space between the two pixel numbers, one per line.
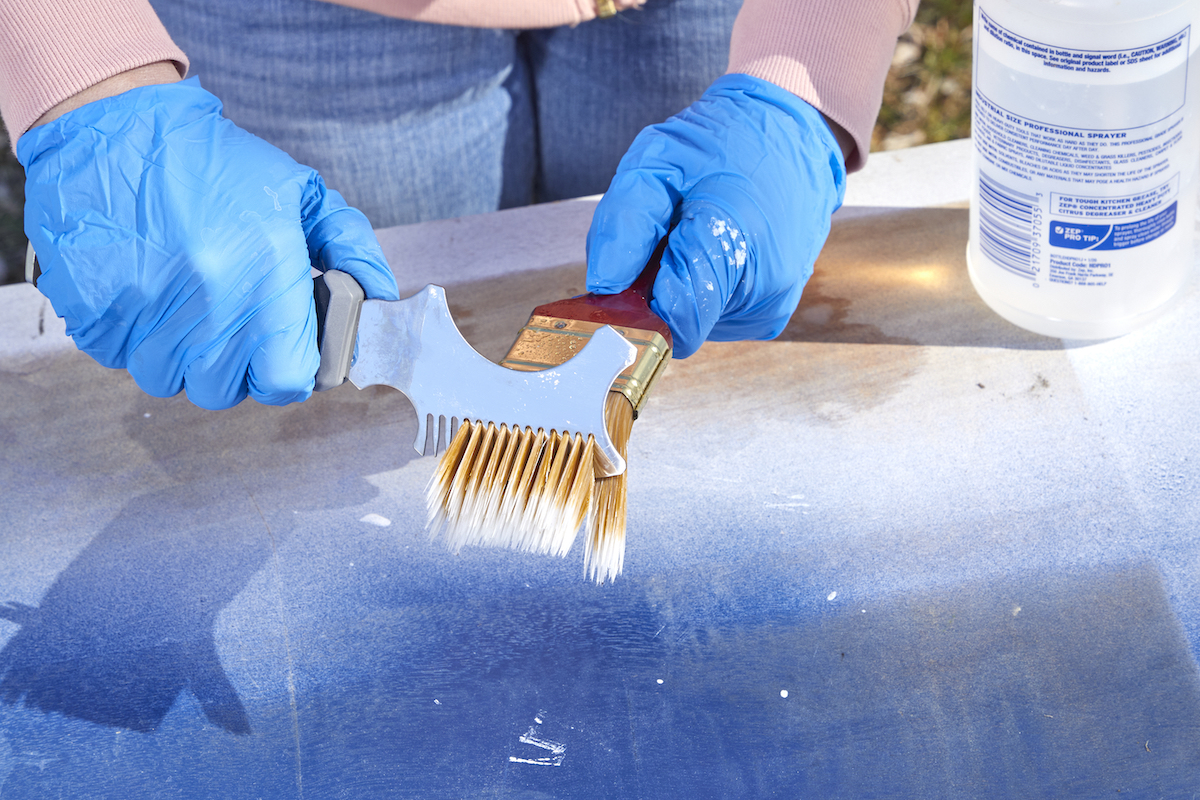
(899,276)
(1049,686)
(127,626)
(1044,686)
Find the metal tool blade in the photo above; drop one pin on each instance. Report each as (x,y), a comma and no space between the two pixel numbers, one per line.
(413,345)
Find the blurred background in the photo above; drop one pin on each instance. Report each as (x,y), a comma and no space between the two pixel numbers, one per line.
(927,98)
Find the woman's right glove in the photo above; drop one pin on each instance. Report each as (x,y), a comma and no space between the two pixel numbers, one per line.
(748,175)
(180,247)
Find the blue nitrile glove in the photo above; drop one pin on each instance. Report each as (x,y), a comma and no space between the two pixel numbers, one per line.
(751,174)
(178,246)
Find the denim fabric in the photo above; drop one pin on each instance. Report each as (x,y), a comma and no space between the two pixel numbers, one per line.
(414,121)
(598,84)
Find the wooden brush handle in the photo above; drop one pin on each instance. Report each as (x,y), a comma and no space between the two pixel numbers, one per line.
(630,308)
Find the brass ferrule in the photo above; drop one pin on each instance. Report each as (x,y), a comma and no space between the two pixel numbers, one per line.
(605,8)
(546,342)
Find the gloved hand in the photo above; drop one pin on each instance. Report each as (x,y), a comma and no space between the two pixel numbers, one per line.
(749,174)
(179,246)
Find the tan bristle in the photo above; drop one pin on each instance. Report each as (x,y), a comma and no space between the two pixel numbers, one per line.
(515,493)
(563,505)
(507,448)
(481,474)
(513,488)
(451,493)
(437,494)
(577,491)
(529,528)
(542,518)
(522,503)
(604,550)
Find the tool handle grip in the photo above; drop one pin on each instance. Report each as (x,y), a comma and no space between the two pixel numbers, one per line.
(33,270)
(630,308)
(338,299)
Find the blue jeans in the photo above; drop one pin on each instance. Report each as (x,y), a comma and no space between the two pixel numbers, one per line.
(413,121)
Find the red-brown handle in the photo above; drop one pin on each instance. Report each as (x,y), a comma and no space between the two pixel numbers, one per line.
(630,308)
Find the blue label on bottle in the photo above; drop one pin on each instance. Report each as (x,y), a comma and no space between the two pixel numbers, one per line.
(1078,236)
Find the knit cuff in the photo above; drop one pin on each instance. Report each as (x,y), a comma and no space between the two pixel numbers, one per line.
(834,54)
(51,51)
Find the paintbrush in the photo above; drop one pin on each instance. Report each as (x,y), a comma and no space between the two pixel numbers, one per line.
(533,490)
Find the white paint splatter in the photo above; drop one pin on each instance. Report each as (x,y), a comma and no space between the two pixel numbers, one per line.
(718,226)
(437,702)
(832,596)
(557,750)
(1016,610)
(783,693)
(376,519)
(660,680)
(146,415)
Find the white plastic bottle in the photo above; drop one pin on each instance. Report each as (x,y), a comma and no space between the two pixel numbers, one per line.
(1087,154)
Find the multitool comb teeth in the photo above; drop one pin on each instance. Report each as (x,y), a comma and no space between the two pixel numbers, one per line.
(413,345)
(439,431)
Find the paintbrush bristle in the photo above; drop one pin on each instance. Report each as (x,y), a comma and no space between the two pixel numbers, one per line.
(499,487)
(532,491)
(604,551)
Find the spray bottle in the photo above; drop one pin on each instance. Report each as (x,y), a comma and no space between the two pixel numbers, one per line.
(1086,123)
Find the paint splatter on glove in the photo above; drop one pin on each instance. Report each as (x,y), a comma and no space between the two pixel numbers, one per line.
(179,247)
(749,175)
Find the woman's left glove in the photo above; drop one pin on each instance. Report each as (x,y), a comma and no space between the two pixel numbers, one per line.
(749,176)
(179,247)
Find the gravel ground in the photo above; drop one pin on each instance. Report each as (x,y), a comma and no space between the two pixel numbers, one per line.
(926,99)
(927,94)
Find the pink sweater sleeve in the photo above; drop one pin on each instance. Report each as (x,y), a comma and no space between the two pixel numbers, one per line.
(834,54)
(52,49)
(515,14)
